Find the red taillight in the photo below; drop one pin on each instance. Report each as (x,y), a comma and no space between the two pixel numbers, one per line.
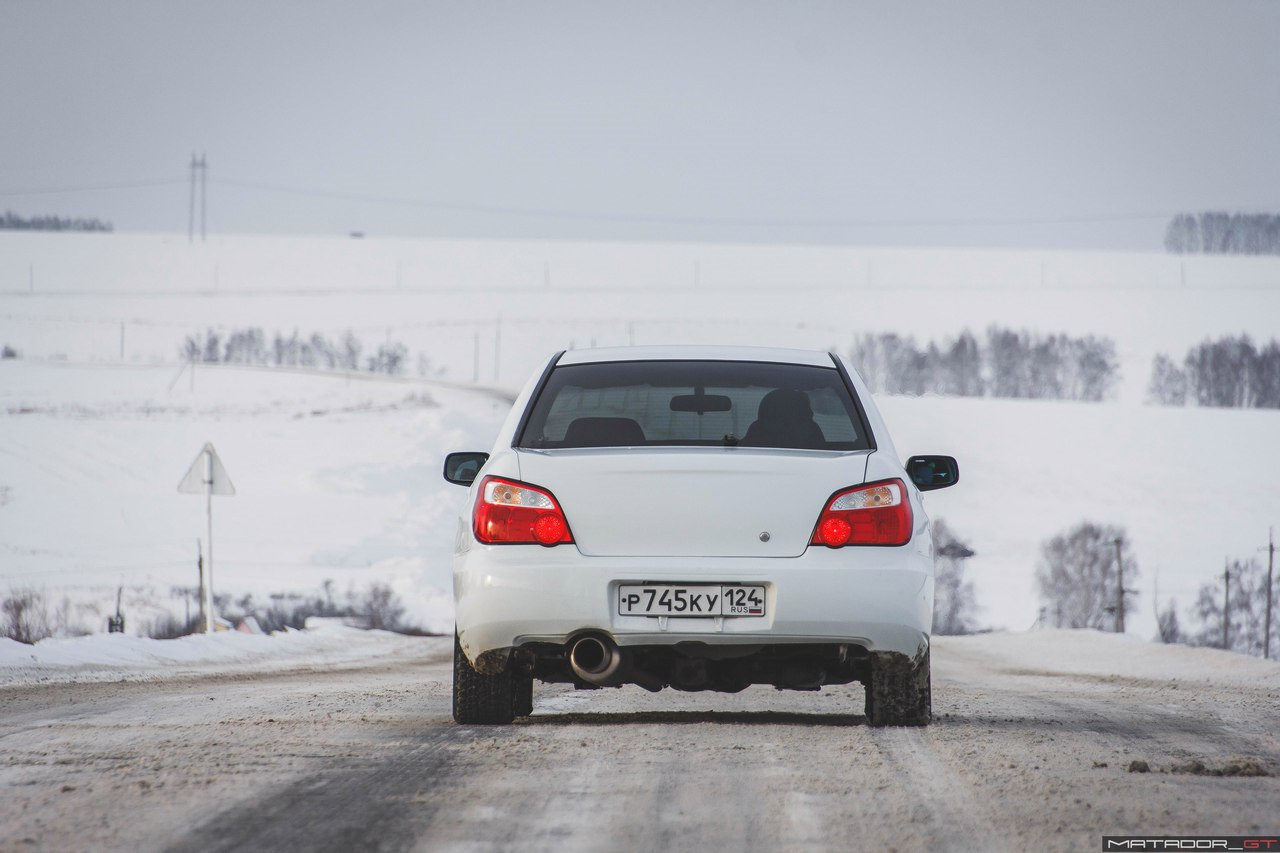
(876,514)
(510,513)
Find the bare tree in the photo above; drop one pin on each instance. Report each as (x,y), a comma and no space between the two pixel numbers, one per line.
(1077,576)
(382,607)
(24,617)
(954,603)
(1168,385)
(1246,603)
(1167,624)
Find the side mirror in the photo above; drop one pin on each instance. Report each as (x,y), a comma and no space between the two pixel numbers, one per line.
(933,472)
(461,468)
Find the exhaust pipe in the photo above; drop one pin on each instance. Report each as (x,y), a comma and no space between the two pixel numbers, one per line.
(595,659)
(598,660)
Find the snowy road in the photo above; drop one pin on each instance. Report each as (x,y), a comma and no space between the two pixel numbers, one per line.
(365,756)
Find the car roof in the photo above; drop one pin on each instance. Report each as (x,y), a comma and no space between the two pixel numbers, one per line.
(814,358)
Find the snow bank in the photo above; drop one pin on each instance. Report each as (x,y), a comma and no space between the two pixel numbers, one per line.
(116,657)
(1094,653)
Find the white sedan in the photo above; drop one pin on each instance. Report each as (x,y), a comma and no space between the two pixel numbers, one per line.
(699,518)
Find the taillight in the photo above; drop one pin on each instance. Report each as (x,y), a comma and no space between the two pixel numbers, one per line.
(877,514)
(510,513)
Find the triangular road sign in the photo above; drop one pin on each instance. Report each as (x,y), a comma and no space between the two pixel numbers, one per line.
(207,476)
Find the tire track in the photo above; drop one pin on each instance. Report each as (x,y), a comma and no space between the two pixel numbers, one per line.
(946,809)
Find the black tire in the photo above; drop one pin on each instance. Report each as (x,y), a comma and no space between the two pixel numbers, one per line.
(899,693)
(480,699)
(522,695)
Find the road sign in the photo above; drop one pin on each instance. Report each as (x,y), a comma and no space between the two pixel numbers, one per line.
(207,476)
(207,470)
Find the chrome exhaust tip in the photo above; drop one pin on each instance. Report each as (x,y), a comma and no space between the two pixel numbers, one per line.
(595,659)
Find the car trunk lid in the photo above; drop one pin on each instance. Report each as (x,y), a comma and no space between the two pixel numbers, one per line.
(692,502)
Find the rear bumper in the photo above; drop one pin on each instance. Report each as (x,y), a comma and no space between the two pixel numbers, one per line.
(879,598)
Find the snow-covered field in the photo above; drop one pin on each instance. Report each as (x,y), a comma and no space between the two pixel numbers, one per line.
(337,476)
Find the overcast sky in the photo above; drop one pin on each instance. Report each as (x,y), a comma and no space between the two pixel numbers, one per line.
(994,123)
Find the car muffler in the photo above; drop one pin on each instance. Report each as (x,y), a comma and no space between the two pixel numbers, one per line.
(595,659)
(598,660)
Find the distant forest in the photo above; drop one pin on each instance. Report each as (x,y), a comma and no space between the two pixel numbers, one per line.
(250,346)
(1229,372)
(13,222)
(1224,234)
(1008,363)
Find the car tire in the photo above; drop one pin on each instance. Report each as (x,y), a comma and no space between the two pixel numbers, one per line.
(899,693)
(521,694)
(481,699)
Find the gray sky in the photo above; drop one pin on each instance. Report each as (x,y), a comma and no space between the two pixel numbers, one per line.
(1081,124)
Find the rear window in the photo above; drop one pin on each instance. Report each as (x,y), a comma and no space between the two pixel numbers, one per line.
(694,403)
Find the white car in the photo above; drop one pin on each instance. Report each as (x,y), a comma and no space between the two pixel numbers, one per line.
(700,518)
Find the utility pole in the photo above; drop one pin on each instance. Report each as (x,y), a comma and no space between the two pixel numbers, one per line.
(204,196)
(1226,605)
(191,206)
(204,623)
(1119,589)
(497,347)
(1271,559)
(200,167)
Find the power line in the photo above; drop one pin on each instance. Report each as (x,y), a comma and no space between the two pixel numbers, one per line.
(82,188)
(666,219)
(637,218)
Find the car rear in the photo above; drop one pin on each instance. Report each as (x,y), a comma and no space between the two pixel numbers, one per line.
(696,519)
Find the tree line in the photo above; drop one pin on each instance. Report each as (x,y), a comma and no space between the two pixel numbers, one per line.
(27,617)
(376,608)
(1006,363)
(11,221)
(1230,372)
(1224,233)
(250,346)
(1078,579)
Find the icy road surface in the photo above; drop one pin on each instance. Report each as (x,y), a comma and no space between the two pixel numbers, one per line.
(342,754)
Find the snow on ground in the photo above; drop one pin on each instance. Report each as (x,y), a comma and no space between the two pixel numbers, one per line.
(492,309)
(1191,486)
(338,476)
(1108,656)
(120,657)
(325,644)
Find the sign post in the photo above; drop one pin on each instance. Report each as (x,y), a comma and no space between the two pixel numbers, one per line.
(207,477)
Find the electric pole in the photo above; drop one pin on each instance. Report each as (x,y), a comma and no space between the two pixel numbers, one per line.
(1271,559)
(1119,589)
(198,167)
(1226,605)
(204,623)
(191,206)
(497,347)
(204,196)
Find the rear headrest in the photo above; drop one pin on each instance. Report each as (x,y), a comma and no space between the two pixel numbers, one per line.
(603,432)
(785,404)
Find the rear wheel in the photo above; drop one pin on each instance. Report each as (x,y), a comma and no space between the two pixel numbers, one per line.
(899,693)
(481,699)
(521,694)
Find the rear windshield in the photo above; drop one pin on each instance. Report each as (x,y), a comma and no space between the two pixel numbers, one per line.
(694,403)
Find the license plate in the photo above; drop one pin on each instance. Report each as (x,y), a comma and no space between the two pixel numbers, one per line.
(699,600)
